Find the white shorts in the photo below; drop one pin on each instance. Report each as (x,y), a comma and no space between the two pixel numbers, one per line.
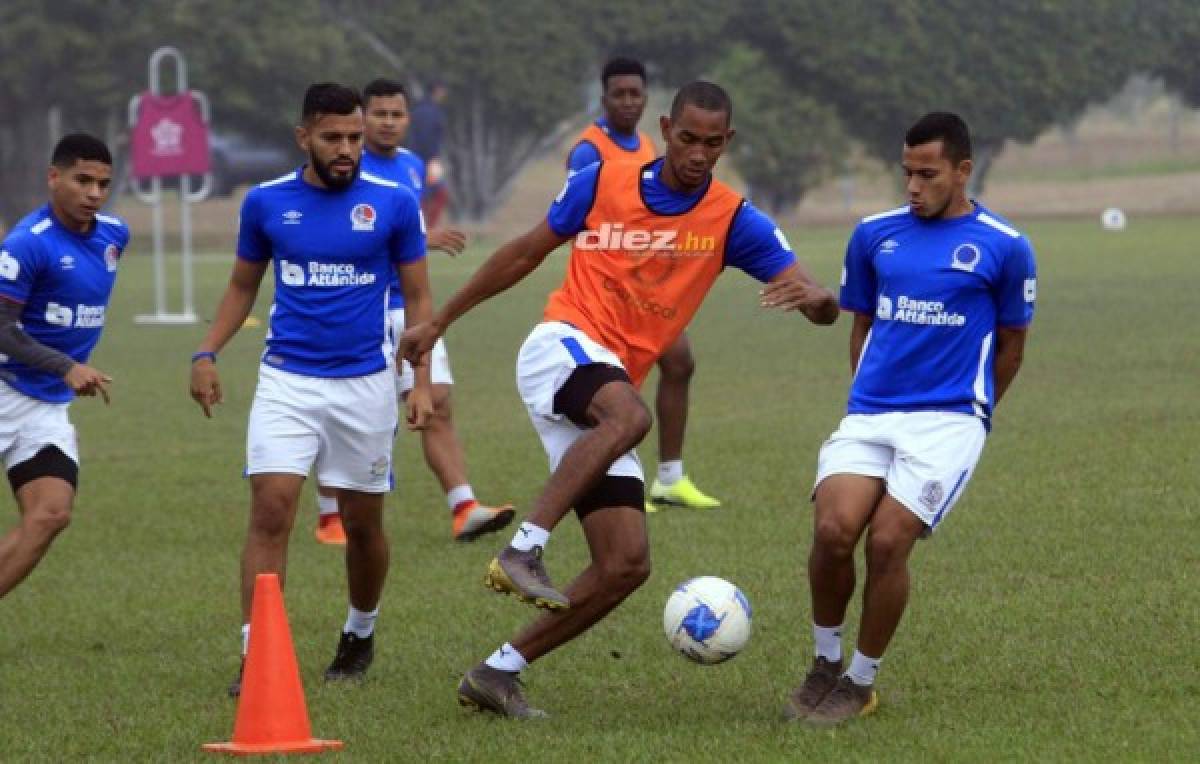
(344,426)
(551,352)
(28,425)
(926,458)
(439,360)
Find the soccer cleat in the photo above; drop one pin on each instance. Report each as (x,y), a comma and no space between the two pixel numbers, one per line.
(845,701)
(474,520)
(651,507)
(681,493)
(330,530)
(484,688)
(235,687)
(523,575)
(354,656)
(821,679)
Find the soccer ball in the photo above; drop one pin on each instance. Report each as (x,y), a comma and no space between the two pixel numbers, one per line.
(1113,219)
(707,619)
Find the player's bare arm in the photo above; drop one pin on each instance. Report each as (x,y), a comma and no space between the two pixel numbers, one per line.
(235,306)
(1010,350)
(794,288)
(512,262)
(448,240)
(858,338)
(418,299)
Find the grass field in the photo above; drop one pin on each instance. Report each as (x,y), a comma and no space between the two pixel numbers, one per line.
(1053,617)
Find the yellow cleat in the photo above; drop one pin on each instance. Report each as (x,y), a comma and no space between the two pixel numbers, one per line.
(682,493)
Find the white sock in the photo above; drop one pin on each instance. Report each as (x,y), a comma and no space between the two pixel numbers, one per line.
(245,639)
(863,669)
(507,659)
(670,472)
(528,536)
(456,496)
(828,642)
(360,623)
(327,505)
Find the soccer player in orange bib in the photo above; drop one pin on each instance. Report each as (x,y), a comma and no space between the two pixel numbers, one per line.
(615,138)
(648,243)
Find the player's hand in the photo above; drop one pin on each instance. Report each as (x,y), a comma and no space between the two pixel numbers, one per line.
(206,385)
(420,407)
(85,380)
(794,294)
(448,240)
(416,342)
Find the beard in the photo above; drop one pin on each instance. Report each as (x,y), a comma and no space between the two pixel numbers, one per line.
(325,173)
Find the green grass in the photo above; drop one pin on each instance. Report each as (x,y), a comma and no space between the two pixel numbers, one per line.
(1053,617)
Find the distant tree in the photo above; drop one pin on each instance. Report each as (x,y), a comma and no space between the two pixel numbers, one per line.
(1012,71)
(786,142)
(1173,27)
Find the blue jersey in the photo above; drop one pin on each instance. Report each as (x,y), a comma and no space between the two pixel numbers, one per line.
(64,279)
(938,290)
(333,254)
(407,169)
(585,152)
(755,244)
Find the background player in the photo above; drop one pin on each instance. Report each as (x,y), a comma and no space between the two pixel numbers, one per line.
(615,137)
(57,270)
(326,392)
(578,371)
(942,292)
(385,108)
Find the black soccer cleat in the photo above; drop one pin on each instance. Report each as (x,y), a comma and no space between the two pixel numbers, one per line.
(354,656)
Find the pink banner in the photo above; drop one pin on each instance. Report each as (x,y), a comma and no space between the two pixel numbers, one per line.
(170,137)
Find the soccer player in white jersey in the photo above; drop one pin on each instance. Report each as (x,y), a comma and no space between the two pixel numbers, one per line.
(326,393)
(942,292)
(57,270)
(385,108)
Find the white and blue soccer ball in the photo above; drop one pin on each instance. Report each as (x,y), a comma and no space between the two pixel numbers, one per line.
(707,619)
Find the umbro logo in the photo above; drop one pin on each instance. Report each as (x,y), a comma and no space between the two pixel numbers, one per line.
(67,262)
(292,217)
(888,247)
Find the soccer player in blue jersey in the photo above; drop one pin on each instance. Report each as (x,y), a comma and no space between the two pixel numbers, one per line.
(615,137)
(623,302)
(942,292)
(385,107)
(57,270)
(326,392)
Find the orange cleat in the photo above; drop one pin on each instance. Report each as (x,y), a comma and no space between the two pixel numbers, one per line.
(330,530)
(472,520)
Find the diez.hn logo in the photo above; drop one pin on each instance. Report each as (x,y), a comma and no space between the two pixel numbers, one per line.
(635,241)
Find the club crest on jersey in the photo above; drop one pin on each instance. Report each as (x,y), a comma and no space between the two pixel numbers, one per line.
(379,467)
(111,255)
(965,258)
(362,217)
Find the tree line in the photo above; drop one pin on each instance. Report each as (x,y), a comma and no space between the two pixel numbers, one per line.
(808,78)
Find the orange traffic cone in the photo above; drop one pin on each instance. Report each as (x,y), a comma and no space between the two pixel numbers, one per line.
(271,714)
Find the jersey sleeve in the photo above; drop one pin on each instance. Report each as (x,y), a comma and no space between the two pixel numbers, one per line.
(20,263)
(568,213)
(756,245)
(407,242)
(859,292)
(584,154)
(1015,291)
(253,244)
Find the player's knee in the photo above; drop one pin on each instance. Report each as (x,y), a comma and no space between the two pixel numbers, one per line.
(271,515)
(48,520)
(831,537)
(677,365)
(886,550)
(626,571)
(361,527)
(441,401)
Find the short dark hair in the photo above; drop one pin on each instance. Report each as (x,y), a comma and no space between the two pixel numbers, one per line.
(942,126)
(382,88)
(80,147)
(329,98)
(704,95)
(621,67)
